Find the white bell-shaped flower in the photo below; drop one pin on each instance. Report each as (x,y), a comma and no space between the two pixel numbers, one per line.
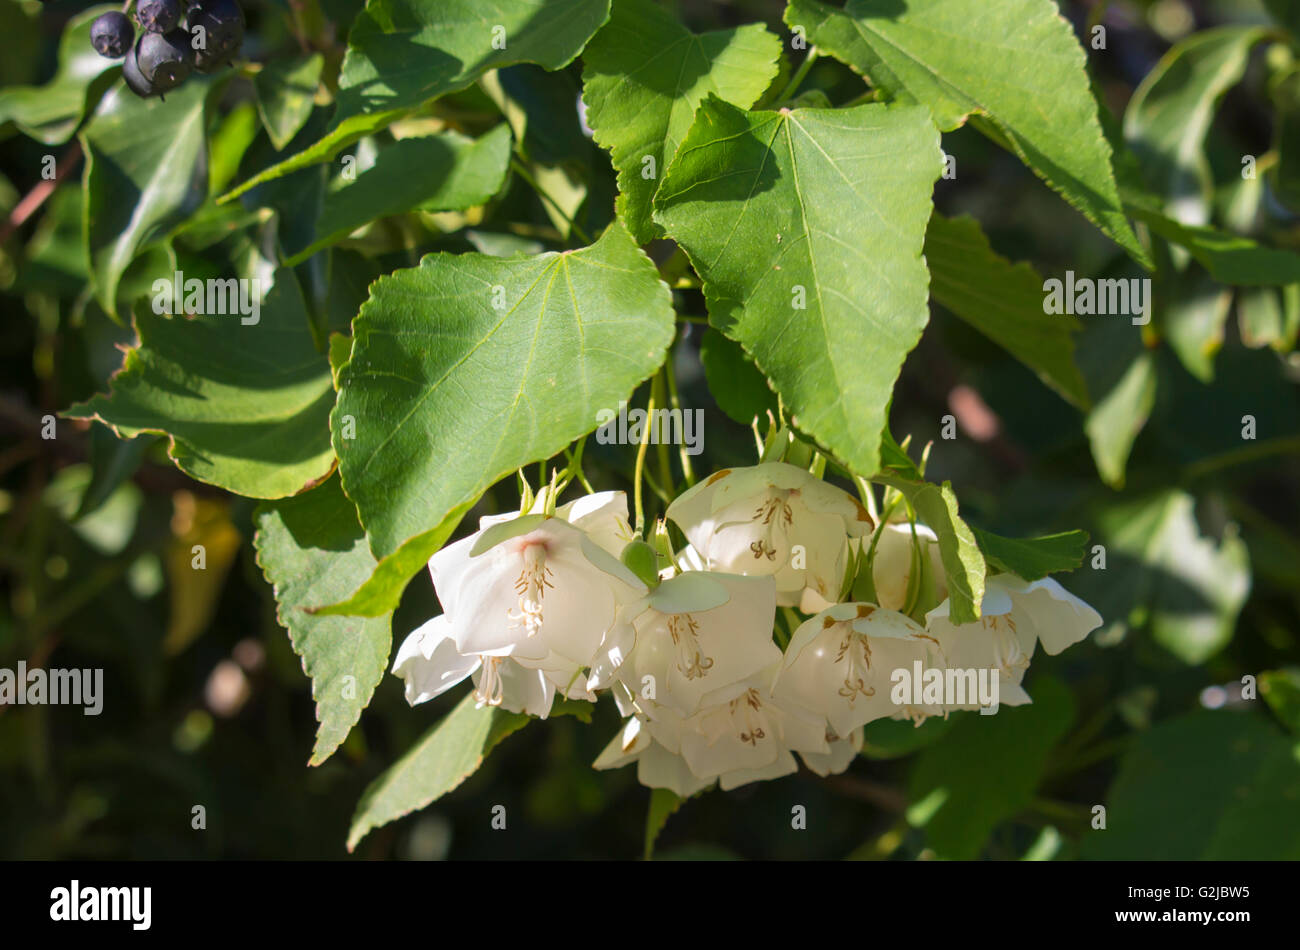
(528,601)
(840,757)
(1014,616)
(748,738)
(430,664)
(841,663)
(696,634)
(774,519)
(896,559)
(602,515)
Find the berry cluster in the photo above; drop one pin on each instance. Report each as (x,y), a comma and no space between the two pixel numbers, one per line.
(172,44)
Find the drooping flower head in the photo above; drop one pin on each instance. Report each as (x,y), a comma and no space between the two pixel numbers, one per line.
(695,635)
(528,602)
(840,664)
(774,519)
(1015,616)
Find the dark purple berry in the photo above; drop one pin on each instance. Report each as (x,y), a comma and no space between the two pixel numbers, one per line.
(165,59)
(216,30)
(112,35)
(135,80)
(158,16)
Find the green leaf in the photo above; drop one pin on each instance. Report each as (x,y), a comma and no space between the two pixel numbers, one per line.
(286,93)
(1170,114)
(1229,258)
(382,591)
(52,112)
(1121,376)
(1207,786)
(806,227)
(895,738)
(645,74)
(1016,62)
(404,53)
(1193,321)
(663,803)
(443,758)
(963,564)
(986,769)
(443,172)
(311,549)
(1188,588)
(1004,301)
(468,367)
(1033,558)
(735,383)
(246,406)
(895,458)
(146,171)
(1281,690)
(112,462)
(1268,317)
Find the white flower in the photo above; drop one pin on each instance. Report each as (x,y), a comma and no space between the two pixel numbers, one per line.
(527,602)
(694,635)
(840,663)
(841,755)
(774,519)
(430,664)
(603,516)
(893,564)
(656,767)
(747,738)
(1015,615)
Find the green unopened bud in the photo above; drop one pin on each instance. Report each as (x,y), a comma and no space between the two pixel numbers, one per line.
(641,560)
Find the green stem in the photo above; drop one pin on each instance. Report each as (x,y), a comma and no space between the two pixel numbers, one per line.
(788,92)
(670,374)
(522,171)
(639,476)
(1249,453)
(661,447)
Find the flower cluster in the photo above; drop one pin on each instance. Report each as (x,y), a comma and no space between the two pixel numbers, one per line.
(712,658)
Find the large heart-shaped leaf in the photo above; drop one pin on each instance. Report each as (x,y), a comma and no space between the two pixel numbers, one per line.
(467,367)
(1015,61)
(52,112)
(246,405)
(645,74)
(312,549)
(806,227)
(404,53)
